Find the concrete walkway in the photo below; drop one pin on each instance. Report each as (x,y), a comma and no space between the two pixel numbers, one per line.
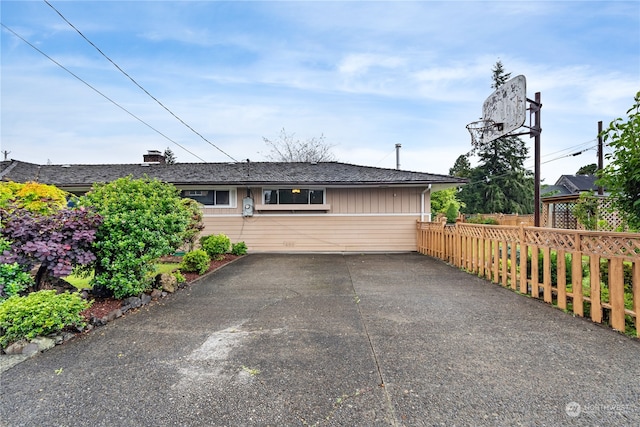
(334,340)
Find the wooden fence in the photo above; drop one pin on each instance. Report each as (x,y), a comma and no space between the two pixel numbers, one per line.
(572,263)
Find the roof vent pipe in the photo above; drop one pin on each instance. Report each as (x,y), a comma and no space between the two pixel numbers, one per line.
(398,156)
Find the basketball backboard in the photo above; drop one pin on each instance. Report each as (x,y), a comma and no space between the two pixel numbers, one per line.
(506,107)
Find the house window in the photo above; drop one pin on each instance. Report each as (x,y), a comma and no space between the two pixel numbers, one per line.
(220,198)
(293,196)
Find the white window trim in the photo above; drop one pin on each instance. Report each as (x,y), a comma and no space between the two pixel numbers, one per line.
(287,206)
(233,198)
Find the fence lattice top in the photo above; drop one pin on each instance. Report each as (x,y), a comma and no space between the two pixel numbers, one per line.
(605,244)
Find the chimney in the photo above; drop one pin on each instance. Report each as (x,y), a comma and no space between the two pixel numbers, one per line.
(154,156)
(398,156)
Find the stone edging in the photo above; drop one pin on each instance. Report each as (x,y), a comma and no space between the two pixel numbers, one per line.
(22,350)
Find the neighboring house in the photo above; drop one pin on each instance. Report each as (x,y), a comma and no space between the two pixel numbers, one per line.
(572,185)
(315,207)
(559,200)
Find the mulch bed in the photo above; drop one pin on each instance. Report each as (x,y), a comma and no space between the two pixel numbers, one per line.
(103,306)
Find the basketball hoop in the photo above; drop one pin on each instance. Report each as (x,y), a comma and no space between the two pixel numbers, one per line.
(480,128)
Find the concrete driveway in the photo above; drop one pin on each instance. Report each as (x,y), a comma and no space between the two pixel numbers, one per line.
(334,340)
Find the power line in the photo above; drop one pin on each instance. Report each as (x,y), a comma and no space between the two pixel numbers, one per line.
(577,153)
(529,168)
(137,84)
(98,92)
(573,147)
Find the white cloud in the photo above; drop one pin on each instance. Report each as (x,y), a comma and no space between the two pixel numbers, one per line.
(361,63)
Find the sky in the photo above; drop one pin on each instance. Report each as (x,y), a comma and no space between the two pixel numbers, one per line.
(364,75)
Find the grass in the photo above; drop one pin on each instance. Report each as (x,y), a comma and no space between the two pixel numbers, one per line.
(83,282)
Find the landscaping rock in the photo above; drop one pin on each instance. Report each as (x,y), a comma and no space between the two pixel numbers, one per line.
(132,302)
(145,299)
(43,343)
(30,349)
(155,294)
(95,321)
(114,315)
(167,282)
(16,347)
(62,337)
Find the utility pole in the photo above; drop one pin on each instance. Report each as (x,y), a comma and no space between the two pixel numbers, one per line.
(600,156)
(6,154)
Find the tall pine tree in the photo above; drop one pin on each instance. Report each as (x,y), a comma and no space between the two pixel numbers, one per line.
(500,183)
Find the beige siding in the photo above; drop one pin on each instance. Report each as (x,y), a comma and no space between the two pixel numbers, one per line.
(318,233)
(358,220)
(374,200)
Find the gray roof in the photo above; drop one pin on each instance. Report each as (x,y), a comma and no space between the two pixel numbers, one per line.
(554,190)
(578,183)
(244,173)
(570,185)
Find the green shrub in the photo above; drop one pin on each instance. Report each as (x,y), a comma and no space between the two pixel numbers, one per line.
(239,248)
(144,219)
(627,269)
(197,261)
(216,244)
(553,258)
(179,277)
(39,314)
(481,220)
(451,213)
(13,280)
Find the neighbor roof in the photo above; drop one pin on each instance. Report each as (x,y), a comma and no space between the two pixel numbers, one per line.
(244,173)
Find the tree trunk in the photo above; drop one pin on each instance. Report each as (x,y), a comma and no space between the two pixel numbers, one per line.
(40,276)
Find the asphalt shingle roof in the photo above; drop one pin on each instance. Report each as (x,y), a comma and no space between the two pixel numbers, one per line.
(581,182)
(245,173)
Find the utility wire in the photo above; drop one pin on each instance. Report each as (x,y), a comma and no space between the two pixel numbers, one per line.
(100,93)
(574,147)
(529,168)
(139,86)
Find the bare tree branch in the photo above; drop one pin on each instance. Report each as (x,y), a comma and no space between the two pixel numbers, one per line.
(289,149)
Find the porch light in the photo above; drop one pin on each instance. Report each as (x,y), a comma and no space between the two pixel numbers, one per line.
(295,191)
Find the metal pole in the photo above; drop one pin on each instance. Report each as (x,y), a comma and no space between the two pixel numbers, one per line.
(600,156)
(537,131)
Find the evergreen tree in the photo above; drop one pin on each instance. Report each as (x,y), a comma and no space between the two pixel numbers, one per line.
(500,183)
(499,77)
(169,157)
(462,167)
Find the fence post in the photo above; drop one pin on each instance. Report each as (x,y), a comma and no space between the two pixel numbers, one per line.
(616,293)
(546,276)
(561,274)
(636,294)
(514,260)
(503,270)
(535,280)
(576,277)
(481,252)
(524,255)
(594,273)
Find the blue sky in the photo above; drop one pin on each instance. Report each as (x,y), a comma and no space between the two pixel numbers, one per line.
(366,75)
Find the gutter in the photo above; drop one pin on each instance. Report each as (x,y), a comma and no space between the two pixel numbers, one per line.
(422,213)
